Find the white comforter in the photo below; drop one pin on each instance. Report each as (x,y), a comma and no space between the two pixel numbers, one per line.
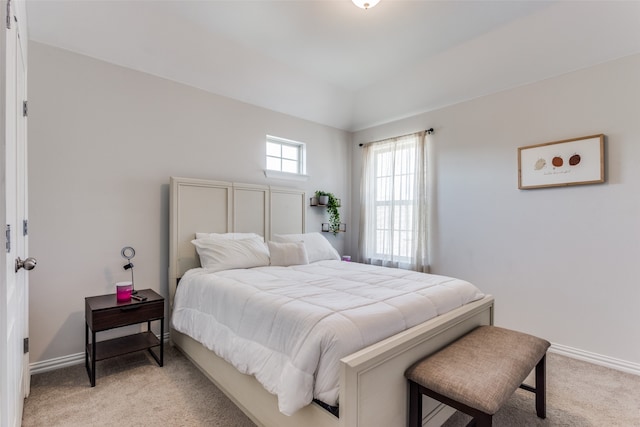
(290,326)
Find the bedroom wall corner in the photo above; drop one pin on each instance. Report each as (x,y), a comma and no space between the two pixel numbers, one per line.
(104,141)
(560,262)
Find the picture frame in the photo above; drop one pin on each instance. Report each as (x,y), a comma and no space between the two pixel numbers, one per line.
(575,161)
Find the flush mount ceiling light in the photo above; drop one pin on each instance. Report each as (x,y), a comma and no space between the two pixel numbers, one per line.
(365,4)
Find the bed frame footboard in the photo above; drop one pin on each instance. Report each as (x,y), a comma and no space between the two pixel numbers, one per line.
(373,389)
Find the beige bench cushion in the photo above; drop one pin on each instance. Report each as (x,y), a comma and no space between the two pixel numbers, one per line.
(482,369)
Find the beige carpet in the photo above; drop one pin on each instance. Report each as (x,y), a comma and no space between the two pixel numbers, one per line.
(133,391)
(578,394)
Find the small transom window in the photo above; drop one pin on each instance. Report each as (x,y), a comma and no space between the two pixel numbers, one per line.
(286,156)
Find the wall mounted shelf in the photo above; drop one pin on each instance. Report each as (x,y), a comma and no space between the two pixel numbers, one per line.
(326,228)
(323,201)
(314,202)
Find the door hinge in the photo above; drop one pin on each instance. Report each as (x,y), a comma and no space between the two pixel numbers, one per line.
(25,227)
(25,109)
(8,14)
(7,234)
(26,345)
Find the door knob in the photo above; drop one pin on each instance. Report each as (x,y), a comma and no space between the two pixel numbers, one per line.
(27,264)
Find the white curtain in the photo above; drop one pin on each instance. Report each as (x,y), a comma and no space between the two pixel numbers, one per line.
(394,203)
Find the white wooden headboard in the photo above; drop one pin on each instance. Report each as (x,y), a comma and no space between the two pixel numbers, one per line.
(198,205)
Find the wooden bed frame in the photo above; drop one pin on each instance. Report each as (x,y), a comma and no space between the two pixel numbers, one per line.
(373,389)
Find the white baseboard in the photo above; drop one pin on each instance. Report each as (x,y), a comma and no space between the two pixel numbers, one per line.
(574,353)
(56,363)
(66,361)
(596,359)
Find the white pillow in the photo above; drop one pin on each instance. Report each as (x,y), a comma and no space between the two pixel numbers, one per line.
(317,246)
(227,236)
(286,254)
(227,254)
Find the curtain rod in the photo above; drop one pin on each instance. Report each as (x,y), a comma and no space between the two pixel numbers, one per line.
(362,144)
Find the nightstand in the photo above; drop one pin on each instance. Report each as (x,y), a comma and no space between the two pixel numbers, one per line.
(105,312)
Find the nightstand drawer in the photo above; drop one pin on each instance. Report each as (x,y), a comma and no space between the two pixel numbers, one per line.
(126,315)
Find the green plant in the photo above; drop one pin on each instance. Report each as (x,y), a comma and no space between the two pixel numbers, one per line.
(332,207)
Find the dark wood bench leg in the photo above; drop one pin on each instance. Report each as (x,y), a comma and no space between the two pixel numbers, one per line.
(485,420)
(415,405)
(541,388)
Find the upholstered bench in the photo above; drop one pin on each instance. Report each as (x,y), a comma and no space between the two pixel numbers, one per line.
(478,373)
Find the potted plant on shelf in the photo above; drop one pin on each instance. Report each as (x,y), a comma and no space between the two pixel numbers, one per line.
(332,203)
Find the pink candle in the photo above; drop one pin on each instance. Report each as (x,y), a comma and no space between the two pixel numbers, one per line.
(123,291)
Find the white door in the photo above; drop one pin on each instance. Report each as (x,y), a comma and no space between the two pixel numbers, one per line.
(14,362)
(22,246)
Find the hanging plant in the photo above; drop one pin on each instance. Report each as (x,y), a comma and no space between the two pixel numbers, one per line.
(332,207)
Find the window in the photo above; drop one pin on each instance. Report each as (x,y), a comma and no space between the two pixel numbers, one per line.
(394,203)
(285,156)
(395,174)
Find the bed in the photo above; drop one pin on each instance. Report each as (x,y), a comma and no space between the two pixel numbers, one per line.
(372,388)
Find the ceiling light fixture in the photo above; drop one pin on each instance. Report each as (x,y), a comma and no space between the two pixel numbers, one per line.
(365,4)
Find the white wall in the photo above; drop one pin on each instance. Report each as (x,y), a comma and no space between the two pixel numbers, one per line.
(562,263)
(103,141)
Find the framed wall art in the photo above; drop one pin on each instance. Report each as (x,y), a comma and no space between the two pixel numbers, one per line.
(569,162)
